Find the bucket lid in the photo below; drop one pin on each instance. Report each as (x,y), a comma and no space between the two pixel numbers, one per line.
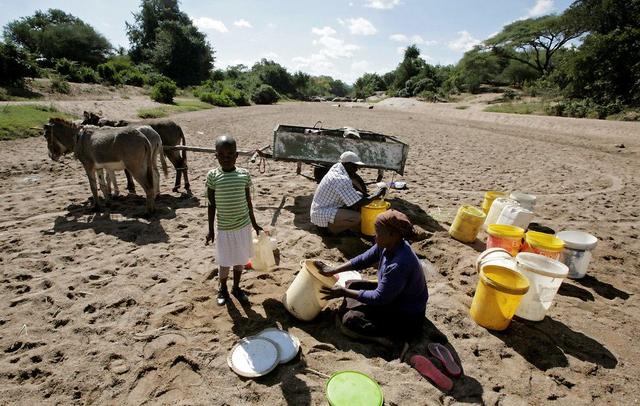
(352,388)
(505,230)
(378,204)
(472,211)
(495,276)
(313,271)
(253,356)
(547,241)
(542,265)
(343,277)
(578,240)
(288,344)
(488,252)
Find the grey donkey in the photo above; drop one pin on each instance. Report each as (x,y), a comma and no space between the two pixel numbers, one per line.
(133,148)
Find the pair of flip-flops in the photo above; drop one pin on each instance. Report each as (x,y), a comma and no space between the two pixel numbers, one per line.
(427,366)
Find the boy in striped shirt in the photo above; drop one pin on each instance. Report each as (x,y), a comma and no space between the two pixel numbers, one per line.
(228,191)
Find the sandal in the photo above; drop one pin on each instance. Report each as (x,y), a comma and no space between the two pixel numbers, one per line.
(240,295)
(223,296)
(427,369)
(443,355)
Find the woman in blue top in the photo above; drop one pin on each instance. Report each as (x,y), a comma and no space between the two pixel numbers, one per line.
(394,305)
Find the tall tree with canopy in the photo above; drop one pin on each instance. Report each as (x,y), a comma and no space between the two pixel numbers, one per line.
(534,41)
(166,38)
(55,34)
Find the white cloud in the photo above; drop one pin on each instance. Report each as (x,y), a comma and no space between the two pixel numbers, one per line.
(464,42)
(361,26)
(541,7)
(400,50)
(398,38)
(360,66)
(324,31)
(414,39)
(316,64)
(271,56)
(242,23)
(271,25)
(335,47)
(207,23)
(382,4)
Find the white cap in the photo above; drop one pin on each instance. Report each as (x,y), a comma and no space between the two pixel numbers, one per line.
(350,157)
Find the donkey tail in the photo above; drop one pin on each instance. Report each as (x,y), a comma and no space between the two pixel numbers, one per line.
(184,151)
(150,156)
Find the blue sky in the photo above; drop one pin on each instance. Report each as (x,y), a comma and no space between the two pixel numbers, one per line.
(340,38)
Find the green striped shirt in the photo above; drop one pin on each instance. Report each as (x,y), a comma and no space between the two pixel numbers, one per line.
(232,209)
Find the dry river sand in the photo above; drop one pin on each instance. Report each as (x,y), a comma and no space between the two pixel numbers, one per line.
(112,308)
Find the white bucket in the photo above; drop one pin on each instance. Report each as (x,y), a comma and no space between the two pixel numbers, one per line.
(577,251)
(526,200)
(303,298)
(496,208)
(545,277)
(515,216)
(495,256)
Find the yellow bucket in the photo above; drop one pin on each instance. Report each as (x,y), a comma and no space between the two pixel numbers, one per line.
(467,224)
(544,244)
(505,236)
(368,215)
(497,296)
(489,197)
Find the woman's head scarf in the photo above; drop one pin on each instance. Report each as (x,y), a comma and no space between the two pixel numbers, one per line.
(397,221)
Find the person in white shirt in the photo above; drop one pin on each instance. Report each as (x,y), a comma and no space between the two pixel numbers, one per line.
(336,202)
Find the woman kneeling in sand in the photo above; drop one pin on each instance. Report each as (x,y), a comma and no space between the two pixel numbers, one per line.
(395,305)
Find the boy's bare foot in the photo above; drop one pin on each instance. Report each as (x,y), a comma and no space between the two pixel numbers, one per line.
(223,296)
(240,295)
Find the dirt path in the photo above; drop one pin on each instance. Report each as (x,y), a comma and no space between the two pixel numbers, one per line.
(112,308)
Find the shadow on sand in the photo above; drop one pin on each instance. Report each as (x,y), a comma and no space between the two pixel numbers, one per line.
(606,290)
(545,343)
(121,218)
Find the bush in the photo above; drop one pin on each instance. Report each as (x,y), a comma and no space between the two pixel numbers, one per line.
(238,97)
(87,75)
(429,96)
(164,91)
(15,65)
(59,85)
(265,94)
(217,99)
(66,67)
(109,74)
(134,78)
(4,95)
(154,77)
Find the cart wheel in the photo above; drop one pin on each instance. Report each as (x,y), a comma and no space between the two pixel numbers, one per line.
(319,172)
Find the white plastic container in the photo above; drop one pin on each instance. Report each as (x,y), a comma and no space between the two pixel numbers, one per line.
(526,200)
(545,277)
(495,256)
(577,251)
(263,258)
(496,208)
(515,216)
(303,298)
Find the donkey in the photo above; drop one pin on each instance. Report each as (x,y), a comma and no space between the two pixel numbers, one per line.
(111,149)
(171,135)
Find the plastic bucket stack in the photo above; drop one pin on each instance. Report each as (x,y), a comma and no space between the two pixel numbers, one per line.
(497,296)
(577,251)
(505,236)
(526,200)
(496,208)
(368,215)
(467,224)
(545,277)
(495,256)
(303,298)
(544,244)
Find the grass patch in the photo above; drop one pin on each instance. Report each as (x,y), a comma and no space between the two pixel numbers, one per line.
(462,107)
(25,120)
(180,106)
(518,108)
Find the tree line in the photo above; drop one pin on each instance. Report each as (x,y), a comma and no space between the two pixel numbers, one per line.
(586,60)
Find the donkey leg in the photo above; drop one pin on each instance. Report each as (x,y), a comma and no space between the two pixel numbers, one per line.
(175,159)
(111,180)
(94,188)
(104,186)
(131,187)
(187,186)
(141,176)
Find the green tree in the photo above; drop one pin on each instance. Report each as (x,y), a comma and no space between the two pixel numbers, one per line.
(339,88)
(55,34)
(534,41)
(367,84)
(166,38)
(15,65)
(409,67)
(274,75)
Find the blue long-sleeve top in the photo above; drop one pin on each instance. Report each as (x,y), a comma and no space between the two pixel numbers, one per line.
(401,283)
